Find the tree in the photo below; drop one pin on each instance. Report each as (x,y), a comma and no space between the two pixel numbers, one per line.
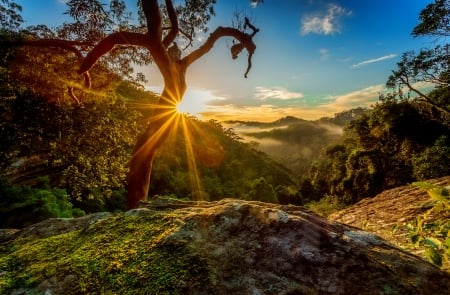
(161,27)
(431,66)
(434,20)
(173,69)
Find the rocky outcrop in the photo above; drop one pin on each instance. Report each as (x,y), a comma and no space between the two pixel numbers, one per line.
(225,247)
(387,214)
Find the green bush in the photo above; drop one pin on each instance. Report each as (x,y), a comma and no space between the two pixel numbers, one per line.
(24,205)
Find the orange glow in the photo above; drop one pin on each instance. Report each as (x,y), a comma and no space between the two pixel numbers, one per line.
(198,144)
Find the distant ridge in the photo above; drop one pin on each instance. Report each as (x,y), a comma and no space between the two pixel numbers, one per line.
(341,119)
(280,122)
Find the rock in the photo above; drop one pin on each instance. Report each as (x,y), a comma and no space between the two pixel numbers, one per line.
(387,214)
(56,226)
(224,247)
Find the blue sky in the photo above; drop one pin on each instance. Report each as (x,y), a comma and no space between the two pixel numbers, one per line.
(314,58)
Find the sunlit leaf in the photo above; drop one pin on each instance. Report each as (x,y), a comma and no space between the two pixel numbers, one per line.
(434,256)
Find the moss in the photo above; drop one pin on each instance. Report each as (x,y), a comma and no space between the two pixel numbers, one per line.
(120,254)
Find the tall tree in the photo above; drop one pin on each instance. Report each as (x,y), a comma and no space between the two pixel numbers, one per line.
(97,33)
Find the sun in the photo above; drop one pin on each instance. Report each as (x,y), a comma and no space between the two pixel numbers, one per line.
(183,108)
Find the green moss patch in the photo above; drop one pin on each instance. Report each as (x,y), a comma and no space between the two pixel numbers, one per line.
(121,254)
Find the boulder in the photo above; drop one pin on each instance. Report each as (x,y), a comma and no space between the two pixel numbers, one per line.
(387,214)
(224,247)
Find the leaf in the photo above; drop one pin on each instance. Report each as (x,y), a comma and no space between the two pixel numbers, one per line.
(424,185)
(437,194)
(416,238)
(433,242)
(434,256)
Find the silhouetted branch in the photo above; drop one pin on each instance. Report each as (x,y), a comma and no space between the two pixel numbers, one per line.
(246,41)
(108,43)
(174,29)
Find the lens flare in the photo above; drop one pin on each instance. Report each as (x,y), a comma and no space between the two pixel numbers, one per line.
(176,126)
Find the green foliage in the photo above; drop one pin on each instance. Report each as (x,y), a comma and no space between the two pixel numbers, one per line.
(81,147)
(227,167)
(433,161)
(10,18)
(21,206)
(396,143)
(124,254)
(326,205)
(262,191)
(432,229)
(434,20)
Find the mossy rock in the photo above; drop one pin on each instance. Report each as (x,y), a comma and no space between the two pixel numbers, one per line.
(225,247)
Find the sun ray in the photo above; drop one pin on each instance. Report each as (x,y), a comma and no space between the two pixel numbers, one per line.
(194,175)
(198,144)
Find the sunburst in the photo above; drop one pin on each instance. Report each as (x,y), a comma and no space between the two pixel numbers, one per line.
(198,144)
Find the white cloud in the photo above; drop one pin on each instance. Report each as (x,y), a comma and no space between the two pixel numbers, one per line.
(358,98)
(326,23)
(263,93)
(369,61)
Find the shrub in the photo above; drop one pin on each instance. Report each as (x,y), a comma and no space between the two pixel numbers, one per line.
(24,205)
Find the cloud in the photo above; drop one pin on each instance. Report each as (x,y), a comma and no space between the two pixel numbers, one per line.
(324,24)
(254,3)
(263,93)
(369,61)
(271,112)
(358,98)
(324,53)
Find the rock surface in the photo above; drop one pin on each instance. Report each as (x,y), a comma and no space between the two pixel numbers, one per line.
(239,247)
(387,214)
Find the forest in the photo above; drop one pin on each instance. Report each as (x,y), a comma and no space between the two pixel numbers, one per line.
(66,149)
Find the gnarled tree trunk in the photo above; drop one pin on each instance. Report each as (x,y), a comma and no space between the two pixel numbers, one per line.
(138,180)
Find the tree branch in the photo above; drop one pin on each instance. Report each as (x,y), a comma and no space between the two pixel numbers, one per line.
(174,24)
(246,41)
(424,96)
(108,43)
(153,17)
(406,82)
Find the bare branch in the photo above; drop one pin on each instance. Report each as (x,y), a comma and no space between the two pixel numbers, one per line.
(245,40)
(108,43)
(73,96)
(252,27)
(174,24)
(421,94)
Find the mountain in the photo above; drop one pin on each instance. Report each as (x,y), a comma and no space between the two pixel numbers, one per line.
(292,141)
(223,247)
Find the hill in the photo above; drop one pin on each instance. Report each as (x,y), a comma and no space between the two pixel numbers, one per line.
(225,247)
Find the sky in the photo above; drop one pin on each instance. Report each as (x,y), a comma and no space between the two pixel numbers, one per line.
(314,58)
